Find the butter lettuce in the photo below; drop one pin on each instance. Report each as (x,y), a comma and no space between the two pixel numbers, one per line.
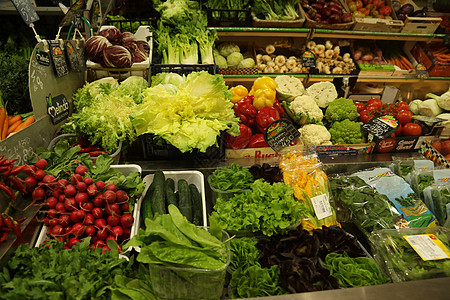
(191,118)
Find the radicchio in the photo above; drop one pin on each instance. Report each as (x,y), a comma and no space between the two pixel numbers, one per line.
(117,56)
(128,37)
(143,45)
(112,34)
(138,55)
(94,47)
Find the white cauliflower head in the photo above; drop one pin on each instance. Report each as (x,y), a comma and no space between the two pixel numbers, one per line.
(288,88)
(305,104)
(313,134)
(323,93)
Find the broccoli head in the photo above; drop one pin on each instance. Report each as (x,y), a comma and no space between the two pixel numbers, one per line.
(346,132)
(341,109)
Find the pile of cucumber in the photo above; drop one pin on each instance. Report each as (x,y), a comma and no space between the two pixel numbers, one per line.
(161,193)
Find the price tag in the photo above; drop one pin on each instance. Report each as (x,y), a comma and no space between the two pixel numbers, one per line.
(43,58)
(422,72)
(308,59)
(428,246)
(58,58)
(382,126)
(322,206)
(280,134)
(69,15)
(26,11)
(75,58)
(57,108)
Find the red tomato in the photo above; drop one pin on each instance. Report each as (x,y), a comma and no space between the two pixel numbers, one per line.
(373,109)
(364,116)
(359,106)
(390,109)
(446,147)
(437,145)
(404,116)
(412,129)
(402,105)
(375,101)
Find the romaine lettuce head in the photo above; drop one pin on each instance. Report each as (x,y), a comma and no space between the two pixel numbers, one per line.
(193,117)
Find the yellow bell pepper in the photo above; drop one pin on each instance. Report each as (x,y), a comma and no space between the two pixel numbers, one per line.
(239,92)
(263,98)
(263,83)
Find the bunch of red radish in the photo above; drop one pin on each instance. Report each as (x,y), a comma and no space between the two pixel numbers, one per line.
(79,207)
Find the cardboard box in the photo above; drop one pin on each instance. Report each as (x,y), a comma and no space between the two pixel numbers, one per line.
(424,56)
(377,24)
(400,144)
(422,25)
(383,70)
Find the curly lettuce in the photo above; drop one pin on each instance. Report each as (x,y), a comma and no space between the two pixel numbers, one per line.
(193,117)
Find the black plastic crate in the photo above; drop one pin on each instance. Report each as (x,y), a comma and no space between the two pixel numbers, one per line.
(152,150)
(181,69)
(229,17)
(130,25)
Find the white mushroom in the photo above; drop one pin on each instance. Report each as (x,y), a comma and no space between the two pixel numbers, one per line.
(346,57)
(284,69)
(259,58)
(311,45)
(276,69)
(270,49)
(337,51)
(268,70)
(266,58)
(291,63)
(329,53)
(319,49)
(319,66)
(293,57)
(337,70)
(280,60)
(296,70)
(326,69)
(270,63)
(328,45)
(261,67)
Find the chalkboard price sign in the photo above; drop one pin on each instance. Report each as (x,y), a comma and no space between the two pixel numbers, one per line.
(382,126)
(308,59)
(26,11)
(73,56)
(280,134)
(58,57)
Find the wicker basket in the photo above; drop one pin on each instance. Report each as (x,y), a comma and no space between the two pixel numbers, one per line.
(309,23)
(298,23)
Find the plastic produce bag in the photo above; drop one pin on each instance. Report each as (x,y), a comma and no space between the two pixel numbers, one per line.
(437,199)
(310,184)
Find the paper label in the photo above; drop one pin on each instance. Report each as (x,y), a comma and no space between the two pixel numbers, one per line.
(441,175)
(428,246)
(423,164)
(322,206)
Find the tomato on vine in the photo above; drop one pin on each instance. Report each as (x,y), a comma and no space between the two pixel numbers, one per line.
(359,106)
(412,129)
(375,101)
(404,116)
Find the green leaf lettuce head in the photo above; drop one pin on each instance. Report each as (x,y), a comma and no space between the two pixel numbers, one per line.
(232,178)
(267,208)
(102,110)
(193,117)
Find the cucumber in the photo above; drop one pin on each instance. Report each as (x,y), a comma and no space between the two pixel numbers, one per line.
(184,199)
(158,196)
(171,183)
(171,198)
(146,205)
(197,209)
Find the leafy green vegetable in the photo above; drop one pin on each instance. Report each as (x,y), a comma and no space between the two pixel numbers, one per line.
(171,240)
(267,208)
(229,5)
(401,262)
(103,109)
(438,195)
(369,209)
(255,281)
(243,253)
(276,10)
(232,178)
(190,119)
(352,272)
(53,272)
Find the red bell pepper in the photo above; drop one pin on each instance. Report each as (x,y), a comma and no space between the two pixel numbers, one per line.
(245,110)
(278,107)
(241,141)
(266,116)
(257,141)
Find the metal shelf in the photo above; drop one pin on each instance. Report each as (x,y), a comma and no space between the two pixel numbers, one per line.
(252,32)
